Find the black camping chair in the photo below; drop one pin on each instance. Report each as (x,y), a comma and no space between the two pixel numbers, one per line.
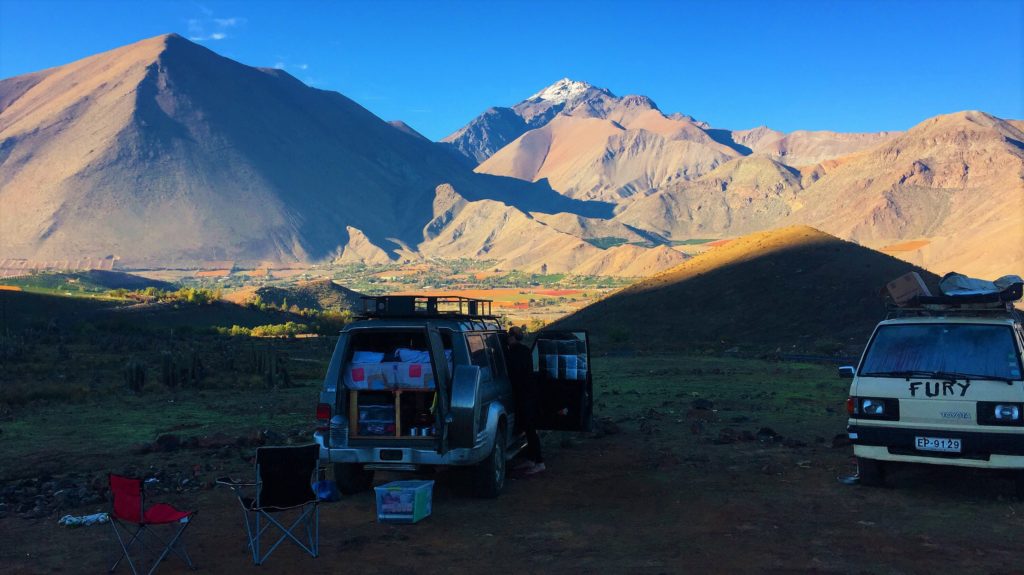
(284,478)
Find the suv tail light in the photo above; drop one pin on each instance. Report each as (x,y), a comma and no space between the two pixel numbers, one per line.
(323,415)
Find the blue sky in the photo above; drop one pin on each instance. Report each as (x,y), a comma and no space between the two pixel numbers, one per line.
(848,66)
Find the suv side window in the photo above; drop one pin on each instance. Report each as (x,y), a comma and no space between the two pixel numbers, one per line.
(479,356)
(497,356)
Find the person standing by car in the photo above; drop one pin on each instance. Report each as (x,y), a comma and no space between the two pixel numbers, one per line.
(520,370)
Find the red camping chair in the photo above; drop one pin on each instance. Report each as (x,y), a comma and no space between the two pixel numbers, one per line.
(130,507)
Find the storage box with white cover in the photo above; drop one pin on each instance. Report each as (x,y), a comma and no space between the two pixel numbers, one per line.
(396,369)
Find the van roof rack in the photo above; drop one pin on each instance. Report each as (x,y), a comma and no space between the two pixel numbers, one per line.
(419,306)
(996,304)
(1005,310)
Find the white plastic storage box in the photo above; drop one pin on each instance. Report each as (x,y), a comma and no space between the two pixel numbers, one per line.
(404,501)
(389,375)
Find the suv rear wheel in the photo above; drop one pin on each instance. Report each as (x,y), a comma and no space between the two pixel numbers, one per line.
(352,478)
(489,474)
(871,472)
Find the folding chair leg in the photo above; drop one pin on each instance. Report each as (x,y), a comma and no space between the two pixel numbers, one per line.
(251,536)
(124,547)
(170,547)
(256,543)
(255,528)
(175,545)
(314,542)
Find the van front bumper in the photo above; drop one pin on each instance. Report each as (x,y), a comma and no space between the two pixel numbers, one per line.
(985,449)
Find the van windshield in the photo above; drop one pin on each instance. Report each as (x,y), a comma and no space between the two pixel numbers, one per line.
(979,351)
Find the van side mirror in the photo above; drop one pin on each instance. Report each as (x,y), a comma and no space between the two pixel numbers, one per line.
(847,371)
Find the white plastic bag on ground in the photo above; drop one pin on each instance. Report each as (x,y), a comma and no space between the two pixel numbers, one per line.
(83,520)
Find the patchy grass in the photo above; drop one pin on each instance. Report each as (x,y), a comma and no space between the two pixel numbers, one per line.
(88,427)
(691,242)
(797,400)
(619,500)
(607,242)
(101,433)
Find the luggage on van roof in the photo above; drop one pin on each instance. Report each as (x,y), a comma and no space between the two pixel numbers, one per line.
(963,295)
(959,289)
(958,285)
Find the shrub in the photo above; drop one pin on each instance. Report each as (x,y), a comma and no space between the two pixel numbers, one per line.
(235,330)
(280,330)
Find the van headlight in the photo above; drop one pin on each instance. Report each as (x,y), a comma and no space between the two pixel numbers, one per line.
(873,407)
(1007,412)
(1000,413)
(876,408)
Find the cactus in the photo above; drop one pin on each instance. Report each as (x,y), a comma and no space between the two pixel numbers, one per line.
(259,359)
(134,375)
(271,365)
(282,369)
(195,369)
(168,371)
(271,369)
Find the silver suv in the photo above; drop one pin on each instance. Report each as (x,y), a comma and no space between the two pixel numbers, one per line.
(422,381)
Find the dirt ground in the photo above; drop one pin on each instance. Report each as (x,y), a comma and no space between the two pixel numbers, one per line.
(660,487)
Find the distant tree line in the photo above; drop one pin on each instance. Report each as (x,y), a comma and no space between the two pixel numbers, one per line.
(192,295)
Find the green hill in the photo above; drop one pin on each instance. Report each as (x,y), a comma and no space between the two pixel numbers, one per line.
(23,309)
(321,295)
(92,281)
(794,289)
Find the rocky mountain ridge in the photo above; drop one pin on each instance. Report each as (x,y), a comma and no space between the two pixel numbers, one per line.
(164,153)
(943,194)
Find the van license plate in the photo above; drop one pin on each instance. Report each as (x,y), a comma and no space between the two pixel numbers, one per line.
(938,444)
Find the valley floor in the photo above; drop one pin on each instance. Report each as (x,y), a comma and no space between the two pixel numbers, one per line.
(659,487)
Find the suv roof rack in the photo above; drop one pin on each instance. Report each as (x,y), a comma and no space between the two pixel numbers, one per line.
(419,306)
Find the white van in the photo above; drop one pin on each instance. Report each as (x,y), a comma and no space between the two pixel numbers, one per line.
(940,382)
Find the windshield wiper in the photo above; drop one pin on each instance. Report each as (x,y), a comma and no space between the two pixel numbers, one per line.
(909,373)
(948,375)
(976,376)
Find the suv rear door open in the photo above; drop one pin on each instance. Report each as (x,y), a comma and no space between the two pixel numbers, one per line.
(561,363)
(443,381)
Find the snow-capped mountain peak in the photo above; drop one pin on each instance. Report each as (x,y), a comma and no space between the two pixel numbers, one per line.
(562,91)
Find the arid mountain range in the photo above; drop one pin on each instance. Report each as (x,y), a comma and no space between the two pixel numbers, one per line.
(164,153)
(948,194)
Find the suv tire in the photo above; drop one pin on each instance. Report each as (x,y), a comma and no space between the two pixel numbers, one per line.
(352,478)
(871,472)
(489,475)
